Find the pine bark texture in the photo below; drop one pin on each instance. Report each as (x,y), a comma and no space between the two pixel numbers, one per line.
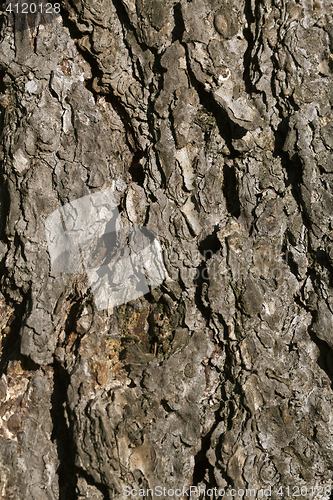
(213,122)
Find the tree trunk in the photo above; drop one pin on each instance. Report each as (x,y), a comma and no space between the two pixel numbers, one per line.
(210,123)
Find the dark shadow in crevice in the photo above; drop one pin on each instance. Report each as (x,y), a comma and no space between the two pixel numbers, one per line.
(202,277)
(288,256)
(202,467)
(11,343)
(3,88)
(136,169)
(91,482)
(207,247)
(292,166)
(229,131)
(203,470)
(70,323)
(126,23)
(62,436)
(154,92)
(248,60)
(4,207)
(210,245)
(325,351)
(230,190)
(321,258)
(11,340)
(75,33)
(177,33)
(324,358)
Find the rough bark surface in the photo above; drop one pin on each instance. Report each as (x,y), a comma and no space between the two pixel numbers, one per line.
(213,122)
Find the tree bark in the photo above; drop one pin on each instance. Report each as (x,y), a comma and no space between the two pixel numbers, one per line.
(211,122)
